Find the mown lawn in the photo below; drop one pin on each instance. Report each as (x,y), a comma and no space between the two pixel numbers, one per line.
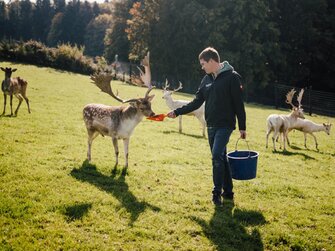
(52,199)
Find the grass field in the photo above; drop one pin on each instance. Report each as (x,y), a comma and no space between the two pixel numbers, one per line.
(52,199)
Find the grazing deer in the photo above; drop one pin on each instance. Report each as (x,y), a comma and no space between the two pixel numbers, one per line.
(282,123)
(118,122)
(13,86)
(174,104)
(307,126)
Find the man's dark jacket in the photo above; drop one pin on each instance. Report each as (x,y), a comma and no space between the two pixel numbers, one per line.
(224,101)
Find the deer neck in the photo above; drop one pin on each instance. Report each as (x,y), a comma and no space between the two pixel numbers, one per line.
(132,113)
(6,85)
(319,127)
(170,102)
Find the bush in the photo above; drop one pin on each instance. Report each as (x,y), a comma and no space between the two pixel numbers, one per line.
(64,57)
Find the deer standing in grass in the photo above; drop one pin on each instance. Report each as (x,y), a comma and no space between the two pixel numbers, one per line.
(282,123)
(174,104)
(13,86)
(307,126)
(118,122)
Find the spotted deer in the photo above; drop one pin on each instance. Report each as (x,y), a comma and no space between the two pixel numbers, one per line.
(174,104)
(13,86)
(118,122)
(283,123)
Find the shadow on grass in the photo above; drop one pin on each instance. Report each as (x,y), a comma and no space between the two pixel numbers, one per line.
(77,212)
(117,186)
(227,228)
(186,134)
(288,153)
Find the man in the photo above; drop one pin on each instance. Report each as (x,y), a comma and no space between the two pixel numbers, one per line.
(222,90)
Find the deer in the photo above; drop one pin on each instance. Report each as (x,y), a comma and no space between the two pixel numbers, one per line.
(283,123)
(13,86)
(309,127)
(174,104)
(117,122)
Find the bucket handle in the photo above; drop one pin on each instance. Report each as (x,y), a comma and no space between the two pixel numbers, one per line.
(245,142)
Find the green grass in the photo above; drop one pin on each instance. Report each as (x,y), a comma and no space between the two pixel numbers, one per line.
(51,199)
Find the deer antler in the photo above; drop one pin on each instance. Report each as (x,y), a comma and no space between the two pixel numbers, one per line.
(299,98)
(289,97)
(179,87)
(146,75)
(166,85)
(102,81)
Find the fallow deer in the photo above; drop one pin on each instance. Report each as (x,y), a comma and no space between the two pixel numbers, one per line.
(13,86)
(118,122)
(282,123)
(307,126)
(174,104)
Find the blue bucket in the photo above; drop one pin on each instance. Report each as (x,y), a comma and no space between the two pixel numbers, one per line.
(243,163)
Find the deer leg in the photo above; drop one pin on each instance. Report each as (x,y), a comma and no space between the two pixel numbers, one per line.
(116,150)
(91,136)
(18,106)
(180,124)
(316,142)
(284,140)
(126,147)
(267,138)
(305,139)
(27,101)
(4,103)
(203,124)
(274,136)
(11,104)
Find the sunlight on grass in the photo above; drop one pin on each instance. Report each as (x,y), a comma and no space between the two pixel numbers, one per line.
(51,197)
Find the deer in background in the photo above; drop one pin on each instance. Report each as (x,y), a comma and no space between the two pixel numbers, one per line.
(283,123)
(307,126)
(118,122)
(174,104)
(13,86)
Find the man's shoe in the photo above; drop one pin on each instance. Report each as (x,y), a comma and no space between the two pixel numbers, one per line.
(228,196)
(217,199)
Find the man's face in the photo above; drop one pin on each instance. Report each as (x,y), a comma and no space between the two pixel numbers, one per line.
(208,67)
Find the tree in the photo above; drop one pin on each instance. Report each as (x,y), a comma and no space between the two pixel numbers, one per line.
(95,34)
(116,41)
(25,20)
(42,16)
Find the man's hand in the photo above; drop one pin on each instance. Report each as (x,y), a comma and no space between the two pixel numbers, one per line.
(243,134)
(171,115)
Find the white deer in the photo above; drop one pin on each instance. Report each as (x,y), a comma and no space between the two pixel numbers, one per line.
(174,104)
(13,86)
(282,123)
(118,122)
(309,127)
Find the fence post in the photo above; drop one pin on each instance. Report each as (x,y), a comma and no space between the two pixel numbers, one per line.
(310,100)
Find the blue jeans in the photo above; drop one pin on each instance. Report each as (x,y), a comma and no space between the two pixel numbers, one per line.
(218,138)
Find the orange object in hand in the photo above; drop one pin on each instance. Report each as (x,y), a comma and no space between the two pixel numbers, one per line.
(158,117)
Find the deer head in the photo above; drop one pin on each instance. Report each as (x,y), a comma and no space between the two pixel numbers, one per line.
(327,127)
(167,92)
(298,111)
(103,82)
(8,71)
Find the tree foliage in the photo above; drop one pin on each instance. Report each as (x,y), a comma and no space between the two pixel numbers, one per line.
(267,41)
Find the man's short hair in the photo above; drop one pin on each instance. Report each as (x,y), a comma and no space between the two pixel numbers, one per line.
(209,53)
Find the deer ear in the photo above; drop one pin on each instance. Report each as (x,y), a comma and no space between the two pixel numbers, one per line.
(14,70)
(2,69)
(151,97)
